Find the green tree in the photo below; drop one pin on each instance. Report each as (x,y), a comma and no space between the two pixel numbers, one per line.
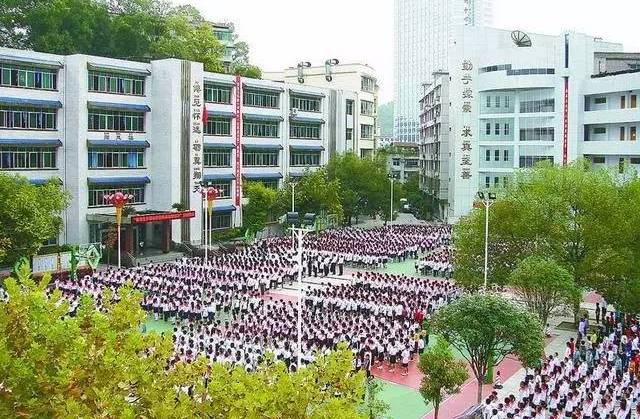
(99,364)
(314,193)
(261,202)
(364,185)
(544,286)
(385,118)
(443,374)
(417,198)
(374,407)
(485,328)
(247,70)
(30,215)
(574,215)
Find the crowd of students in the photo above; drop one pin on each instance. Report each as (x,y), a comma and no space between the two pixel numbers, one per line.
(437,263)
(220,307)
(597,377)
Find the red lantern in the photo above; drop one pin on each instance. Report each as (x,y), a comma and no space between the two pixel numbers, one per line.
(210,194)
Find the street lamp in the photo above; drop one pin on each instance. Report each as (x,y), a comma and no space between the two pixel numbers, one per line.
(391,177)
(293,196)
(298,234)
(118,200)
(301,66)
(487,198)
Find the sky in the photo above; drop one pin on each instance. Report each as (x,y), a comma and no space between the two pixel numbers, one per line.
(281,33)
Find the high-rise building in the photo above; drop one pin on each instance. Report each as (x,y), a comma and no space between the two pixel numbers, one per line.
(422,30)
(225,33)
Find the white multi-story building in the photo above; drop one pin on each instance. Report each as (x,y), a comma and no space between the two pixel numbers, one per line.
(225,34)
(101,125)
(516,99)
(354,90)
(423,30)
(434,142)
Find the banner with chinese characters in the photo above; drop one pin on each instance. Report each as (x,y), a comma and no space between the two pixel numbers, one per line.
(466,130)
(196,104)
(238,140)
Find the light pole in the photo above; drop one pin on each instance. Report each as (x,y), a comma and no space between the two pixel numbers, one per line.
(391,203)
(487,198)
(298,236)
(293,196)
(118,200)
(209,195)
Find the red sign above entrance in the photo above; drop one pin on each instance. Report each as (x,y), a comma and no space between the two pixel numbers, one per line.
(161,216)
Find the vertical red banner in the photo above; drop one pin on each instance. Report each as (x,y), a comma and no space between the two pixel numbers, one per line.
(238,138)
(565,138)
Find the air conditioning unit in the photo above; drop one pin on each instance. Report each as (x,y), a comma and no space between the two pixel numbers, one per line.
(294,112)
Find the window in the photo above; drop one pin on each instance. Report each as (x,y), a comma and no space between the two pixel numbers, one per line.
(537,134)
(488,101)
(223,186)
(487,182)
(349,134)
(496,154)
(600,100)
(367,84)
(623,102)
(271,183)
(110,158)
(305,104)
(497,101)
(306,131)
(27,157)
(507,101)
(28,77)
(496,129)
(621,165)
(597,159)
(506,155)
(536,106)
(634,101)
(260,158)
(309,158)
(600,130)
(217,157)
(496,181)
(622,133)
(261,99)
(217,94)
(220,221)
(118,121)
(487,129)
(530,161)
(260,129)
(98,192)
(634,160)
(487,155)
(50,242)
(28,118)
(366,108)
(632,133)
(366,132)
(506,129)
(218,126)
(99,81)
(349,107)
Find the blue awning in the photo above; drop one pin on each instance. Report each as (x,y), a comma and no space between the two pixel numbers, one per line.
(262,175)
(14,59)
(219,176)
(256,86)
(120,180)
(262,146)
(308,94)
(42,181)
(229,146)
(118,69)
(37,103)
(118,106)
(224,208)
(260,117)
(220,114)
(307,120)
(118,143)
(296,174)
(219,82)
(30,142)
(306,147)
